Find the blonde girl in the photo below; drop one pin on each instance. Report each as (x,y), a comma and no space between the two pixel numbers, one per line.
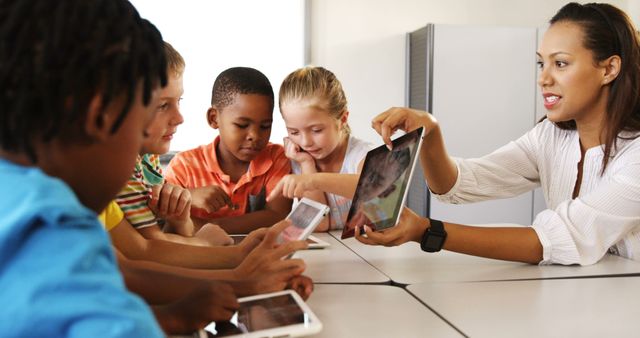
(325,158)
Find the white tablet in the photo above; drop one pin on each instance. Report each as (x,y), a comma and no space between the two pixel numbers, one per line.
(237,238)
(277,314)
(382,186)
(305,217)
(316,243)
(313,242)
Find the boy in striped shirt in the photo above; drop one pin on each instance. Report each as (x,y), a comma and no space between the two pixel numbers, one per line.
(251,267)
(147,202)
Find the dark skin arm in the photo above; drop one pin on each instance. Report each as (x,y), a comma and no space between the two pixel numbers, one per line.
(180,304)
(134,246)
(505,243)
(275,210)
(263,269)
(155,233)
(137,275)
(203,305)
(519,244)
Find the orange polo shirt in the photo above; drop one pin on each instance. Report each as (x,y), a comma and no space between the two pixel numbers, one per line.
(199,167)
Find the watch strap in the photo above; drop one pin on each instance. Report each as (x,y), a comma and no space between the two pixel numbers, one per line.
(434,237)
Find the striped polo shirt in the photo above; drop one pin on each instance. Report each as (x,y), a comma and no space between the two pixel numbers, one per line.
(134,198)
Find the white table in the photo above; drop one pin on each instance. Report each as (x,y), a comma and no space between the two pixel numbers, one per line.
(338,264)
(374,311)
(590,307)
(407,264)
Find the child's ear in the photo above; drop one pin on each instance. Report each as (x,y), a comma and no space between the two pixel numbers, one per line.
(99,119)
(344,118)
(212,117)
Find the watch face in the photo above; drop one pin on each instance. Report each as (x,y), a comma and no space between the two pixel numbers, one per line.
(433,241)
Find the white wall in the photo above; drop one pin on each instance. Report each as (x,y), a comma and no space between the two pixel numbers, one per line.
(215,35)
(363,41)
(633,9)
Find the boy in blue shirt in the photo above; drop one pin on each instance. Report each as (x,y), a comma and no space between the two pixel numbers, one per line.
(78,86)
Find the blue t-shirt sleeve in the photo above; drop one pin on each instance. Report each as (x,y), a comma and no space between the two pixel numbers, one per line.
(61,283)
(58,275)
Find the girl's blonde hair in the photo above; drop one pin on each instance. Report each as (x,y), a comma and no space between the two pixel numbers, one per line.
(318,83)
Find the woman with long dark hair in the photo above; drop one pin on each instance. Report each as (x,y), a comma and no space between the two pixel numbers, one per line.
(585,154)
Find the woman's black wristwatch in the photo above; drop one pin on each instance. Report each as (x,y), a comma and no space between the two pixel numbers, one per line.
(433,239)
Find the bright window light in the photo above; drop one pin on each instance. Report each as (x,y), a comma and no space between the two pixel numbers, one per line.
(215,35)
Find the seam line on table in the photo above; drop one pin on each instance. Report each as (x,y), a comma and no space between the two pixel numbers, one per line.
(621,275)
(366,261)
(435,312)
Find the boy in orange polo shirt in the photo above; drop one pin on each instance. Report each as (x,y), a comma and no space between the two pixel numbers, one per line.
(230,178)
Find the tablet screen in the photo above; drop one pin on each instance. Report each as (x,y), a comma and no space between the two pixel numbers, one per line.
(301,218)
(313,242)
(262,314)
(237,238)
(382,185)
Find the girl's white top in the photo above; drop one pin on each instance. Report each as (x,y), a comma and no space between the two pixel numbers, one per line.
(339,206)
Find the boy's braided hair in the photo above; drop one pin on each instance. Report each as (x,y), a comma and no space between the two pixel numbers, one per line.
(55,56)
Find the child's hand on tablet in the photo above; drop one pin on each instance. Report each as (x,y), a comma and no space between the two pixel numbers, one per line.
(251,241)
(264,269)
(214,301)
(291,186)
(303,285)
(410,227)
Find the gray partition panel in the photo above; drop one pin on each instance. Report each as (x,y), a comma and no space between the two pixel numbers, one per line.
(480,83)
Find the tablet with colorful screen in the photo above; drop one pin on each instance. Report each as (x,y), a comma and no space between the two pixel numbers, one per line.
(305,217)
(277,314)
(382,186)
(313,242)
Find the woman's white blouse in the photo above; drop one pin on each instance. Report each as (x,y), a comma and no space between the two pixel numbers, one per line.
(605,215)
